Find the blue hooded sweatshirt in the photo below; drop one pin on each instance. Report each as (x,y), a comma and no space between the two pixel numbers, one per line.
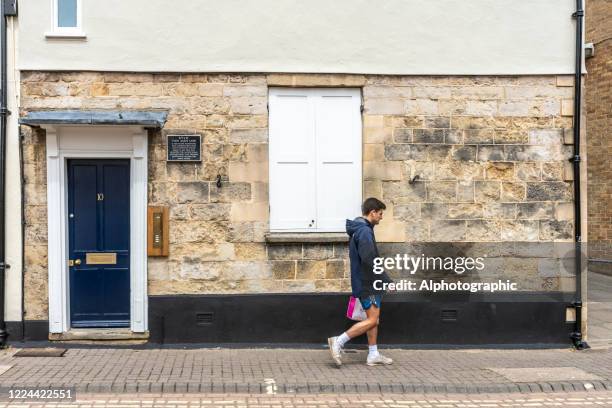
(362,251)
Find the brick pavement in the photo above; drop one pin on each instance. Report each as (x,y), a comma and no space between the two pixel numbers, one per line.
(590,399)
(256,371)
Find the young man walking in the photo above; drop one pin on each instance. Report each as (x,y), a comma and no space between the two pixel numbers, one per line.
(362,251)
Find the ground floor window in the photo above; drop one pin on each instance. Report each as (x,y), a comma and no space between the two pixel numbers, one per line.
(315,158)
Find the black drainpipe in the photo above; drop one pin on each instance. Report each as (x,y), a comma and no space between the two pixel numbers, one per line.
(576,336)
(4,112)
(22,180)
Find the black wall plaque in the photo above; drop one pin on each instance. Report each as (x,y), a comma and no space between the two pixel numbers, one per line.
(184,147)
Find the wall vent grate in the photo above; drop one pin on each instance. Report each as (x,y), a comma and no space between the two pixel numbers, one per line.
(203,319)
(448,315)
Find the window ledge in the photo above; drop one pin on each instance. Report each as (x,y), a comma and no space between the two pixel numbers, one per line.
(60,34)
(305,237)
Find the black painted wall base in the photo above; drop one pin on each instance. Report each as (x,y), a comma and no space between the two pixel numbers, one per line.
(440,319)
(311,318)
(30,330)
(14,330)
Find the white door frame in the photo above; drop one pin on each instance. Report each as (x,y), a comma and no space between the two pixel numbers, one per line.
(103,142)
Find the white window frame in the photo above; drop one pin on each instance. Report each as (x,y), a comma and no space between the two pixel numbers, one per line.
(358,159)
(57,31)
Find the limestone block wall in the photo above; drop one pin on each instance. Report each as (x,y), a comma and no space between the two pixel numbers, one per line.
(470,159)
(35,238)
(456,159)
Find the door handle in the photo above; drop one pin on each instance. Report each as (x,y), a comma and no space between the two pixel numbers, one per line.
(75,262)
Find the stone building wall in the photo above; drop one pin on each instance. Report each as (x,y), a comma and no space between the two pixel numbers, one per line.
(598,96)
(35,212)
(456,159)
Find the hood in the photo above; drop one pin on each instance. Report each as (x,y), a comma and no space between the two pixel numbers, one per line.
(353,226)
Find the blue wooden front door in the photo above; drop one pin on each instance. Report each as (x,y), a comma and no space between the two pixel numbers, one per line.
(99,248)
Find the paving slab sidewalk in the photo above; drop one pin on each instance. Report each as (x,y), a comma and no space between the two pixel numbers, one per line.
(540,400)
(293,371)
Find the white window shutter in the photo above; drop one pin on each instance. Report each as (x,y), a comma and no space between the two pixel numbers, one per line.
(292,160)
(338,157)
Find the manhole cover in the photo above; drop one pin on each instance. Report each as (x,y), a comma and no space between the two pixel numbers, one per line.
(538,374)
(40,352)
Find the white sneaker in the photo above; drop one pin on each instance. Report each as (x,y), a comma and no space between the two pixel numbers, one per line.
(335,349)
(379,359)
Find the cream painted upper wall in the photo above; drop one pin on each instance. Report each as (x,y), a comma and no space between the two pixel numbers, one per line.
(338,36)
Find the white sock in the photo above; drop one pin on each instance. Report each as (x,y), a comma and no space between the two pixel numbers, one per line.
(342,339)
(372,351)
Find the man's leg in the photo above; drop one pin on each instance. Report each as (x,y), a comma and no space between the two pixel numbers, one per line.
(359,328)
(364,326)
(373,340)
(374,357)
(372,335)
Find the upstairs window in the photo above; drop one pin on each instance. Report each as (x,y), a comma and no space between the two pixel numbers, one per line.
(66,19)
(67,14)
(315,159)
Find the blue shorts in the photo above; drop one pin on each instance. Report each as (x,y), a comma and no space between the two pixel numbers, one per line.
(366,302)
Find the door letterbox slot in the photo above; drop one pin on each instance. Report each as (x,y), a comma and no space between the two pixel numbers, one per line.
(101,258)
